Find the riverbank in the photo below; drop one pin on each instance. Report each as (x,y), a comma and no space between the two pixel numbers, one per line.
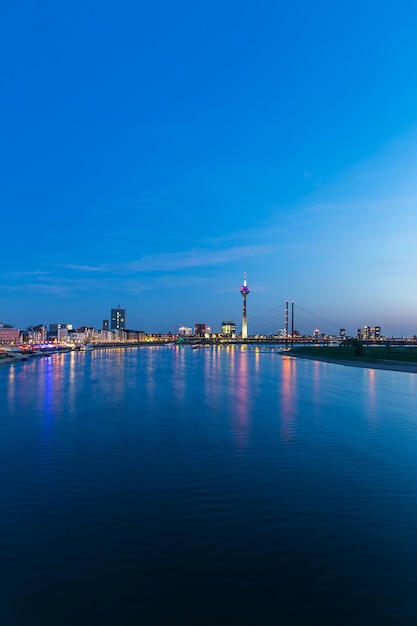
(396,360)
(16,356)
(8,359)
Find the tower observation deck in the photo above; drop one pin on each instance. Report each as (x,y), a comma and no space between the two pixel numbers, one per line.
(244,290)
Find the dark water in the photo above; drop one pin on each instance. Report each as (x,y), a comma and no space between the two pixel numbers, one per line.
(216,486)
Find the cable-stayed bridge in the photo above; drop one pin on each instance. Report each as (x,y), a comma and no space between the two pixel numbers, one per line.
(283,319)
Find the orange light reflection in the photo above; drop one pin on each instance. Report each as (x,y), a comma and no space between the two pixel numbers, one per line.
(288,409)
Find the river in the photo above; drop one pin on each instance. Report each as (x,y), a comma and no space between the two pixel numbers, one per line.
(219,486)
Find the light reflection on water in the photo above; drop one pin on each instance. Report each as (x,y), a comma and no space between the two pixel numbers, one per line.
(289,400)
(241,419)
(11,387)
(239,485)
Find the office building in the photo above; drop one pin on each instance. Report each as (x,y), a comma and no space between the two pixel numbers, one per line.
(201,330)
(369,333)
(185,331)
(118,318)
(229,328)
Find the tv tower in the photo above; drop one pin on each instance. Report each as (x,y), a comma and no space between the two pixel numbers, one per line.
(244,290)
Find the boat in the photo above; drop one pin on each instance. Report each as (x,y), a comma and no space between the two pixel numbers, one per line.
(87,347)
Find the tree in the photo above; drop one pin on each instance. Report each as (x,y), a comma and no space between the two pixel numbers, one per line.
(357,347)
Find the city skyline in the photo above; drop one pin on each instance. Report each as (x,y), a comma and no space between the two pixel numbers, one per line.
(275,322)
(268,322)
(152,155)
(64,332)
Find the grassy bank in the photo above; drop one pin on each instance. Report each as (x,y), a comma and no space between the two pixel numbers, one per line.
(371,354)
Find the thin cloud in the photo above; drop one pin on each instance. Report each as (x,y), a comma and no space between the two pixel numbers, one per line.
(71,286)
(85,268)
(25,274)
(41,288)
(175,261)
(199,257)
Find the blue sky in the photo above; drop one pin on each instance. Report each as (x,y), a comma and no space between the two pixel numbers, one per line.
(152,153)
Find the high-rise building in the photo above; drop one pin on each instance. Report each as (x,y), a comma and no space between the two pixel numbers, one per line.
(105,325)
(185,331)
(229,328)
(201,330)
(369,333)
(118,318)
(244,290)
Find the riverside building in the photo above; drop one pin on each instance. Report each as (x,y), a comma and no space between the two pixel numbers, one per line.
(9,336)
